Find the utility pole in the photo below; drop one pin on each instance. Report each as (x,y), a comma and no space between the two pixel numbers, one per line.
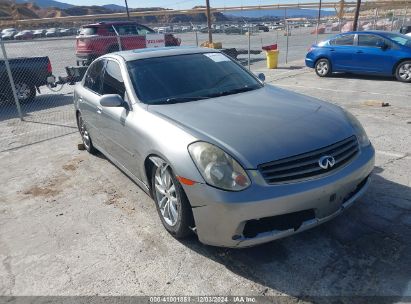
(340,14)
(210,35)
(357,14)
(318,22)
(128,13)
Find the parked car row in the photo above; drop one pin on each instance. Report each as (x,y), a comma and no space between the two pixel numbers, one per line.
(229,28)
(14,34)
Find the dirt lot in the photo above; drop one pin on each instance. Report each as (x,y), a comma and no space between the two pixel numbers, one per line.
(73,224)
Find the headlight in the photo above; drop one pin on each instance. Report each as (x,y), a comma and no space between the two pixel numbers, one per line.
(218,168)
(359,130)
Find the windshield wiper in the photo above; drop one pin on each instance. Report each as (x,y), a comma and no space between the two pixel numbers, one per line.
(182,99)
(235,91)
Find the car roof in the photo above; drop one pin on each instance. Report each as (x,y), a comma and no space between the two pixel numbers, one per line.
(109,23)
(368,32)
(161,52)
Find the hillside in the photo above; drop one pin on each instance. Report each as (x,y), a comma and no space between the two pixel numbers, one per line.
(86,10)
(11,11)
(8,10)
(28,10)
(290,12)
(47,3)
(115,7)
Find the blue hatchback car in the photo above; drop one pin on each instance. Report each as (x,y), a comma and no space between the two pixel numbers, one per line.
(370,52)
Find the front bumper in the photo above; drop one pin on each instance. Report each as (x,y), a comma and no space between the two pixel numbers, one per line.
(309,62)
(221,216)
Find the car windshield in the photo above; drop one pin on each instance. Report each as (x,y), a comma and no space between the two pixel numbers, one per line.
(189,77)
(400,38)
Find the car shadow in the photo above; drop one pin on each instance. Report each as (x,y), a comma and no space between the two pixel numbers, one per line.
(8,109)
(363,77)
(292,67)
(363,252)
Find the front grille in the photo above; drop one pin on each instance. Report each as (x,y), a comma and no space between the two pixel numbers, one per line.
(304,166)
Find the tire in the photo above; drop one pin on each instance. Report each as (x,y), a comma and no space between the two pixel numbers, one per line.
(169,195)
(403,71)
(25,92)
(85,136)
(323,67)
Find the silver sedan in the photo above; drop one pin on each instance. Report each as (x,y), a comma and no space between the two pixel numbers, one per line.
(223,155)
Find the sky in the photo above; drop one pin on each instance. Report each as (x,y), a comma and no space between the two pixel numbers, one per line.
(180,4)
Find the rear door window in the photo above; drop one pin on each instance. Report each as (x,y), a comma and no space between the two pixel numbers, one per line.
(369,40)
(126,29)
(142,30)
(94,76)
(343,40)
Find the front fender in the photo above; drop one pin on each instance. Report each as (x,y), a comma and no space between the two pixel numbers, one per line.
(163,140)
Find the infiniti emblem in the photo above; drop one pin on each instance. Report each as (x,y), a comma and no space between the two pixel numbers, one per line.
(326,162)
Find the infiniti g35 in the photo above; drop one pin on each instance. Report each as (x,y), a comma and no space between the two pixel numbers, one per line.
(237,161)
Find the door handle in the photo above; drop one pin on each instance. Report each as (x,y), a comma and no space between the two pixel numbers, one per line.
(332,50)
(360,52)
(99,109)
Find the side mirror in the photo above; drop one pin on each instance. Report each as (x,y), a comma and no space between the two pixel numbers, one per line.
(382,45)
(111,100)
(261,76)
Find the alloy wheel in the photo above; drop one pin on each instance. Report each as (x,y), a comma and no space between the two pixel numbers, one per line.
(405,71)
(166,195)
(322,68)
(84,133)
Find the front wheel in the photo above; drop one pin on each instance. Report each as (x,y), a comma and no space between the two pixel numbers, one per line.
(403,71)
(85,135)
(323,67)
(25,92)
(172,204)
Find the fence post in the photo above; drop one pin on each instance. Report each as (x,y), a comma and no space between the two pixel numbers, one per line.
(196,37)
(405,16)
(249,47)
(11,80)
(120,48)
(392,20)
(375,18)
(288,33)
(318,22)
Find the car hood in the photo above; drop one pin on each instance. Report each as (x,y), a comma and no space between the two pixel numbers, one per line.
(261,125)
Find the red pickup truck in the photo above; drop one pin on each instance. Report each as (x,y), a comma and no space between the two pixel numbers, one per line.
(101,38)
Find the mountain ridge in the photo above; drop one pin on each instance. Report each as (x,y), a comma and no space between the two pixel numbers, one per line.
(47,3)
(26,9)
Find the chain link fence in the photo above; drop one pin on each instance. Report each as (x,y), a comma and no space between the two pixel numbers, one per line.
(47,111)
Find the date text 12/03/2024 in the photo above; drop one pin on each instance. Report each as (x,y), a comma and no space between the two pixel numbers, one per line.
(203,299)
